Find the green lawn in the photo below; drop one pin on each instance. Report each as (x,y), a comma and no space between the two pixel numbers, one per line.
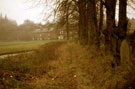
(10,47)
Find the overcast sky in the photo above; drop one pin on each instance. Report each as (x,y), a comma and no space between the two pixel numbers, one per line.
(21,10)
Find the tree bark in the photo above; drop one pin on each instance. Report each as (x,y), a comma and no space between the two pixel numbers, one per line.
(110,22)
(101,17)
(83,32)
(67,22)
(93,33)
(122,25)
(123,17)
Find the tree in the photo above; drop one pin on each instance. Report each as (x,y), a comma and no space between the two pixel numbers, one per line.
(101,16)
(8,29)
(25,30)
(93,32)
(123,17)
(122,25)
(110,24)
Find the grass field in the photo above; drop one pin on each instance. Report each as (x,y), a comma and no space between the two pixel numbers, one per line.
(11,47)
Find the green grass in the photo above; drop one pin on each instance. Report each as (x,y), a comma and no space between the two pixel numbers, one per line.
(11,47)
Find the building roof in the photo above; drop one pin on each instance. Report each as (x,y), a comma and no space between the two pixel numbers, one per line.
(42,30)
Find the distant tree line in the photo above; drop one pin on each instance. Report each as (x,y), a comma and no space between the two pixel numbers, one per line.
(25,30)
(7,29)
(10,31)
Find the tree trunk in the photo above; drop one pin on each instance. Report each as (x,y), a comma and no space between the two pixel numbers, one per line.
(83,32)
(100,28)
(122,25)
(110,22)
(123,17)
(67,22)
(93,33)
(101,17)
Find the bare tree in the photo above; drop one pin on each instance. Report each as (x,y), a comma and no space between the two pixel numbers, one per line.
(110,22)
(92,22)
(83,31)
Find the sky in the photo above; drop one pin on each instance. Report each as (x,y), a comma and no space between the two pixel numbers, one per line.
(21,10)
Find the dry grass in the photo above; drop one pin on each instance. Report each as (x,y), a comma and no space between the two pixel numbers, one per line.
(62,65)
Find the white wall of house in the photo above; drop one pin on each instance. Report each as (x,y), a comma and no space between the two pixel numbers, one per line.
(60,37)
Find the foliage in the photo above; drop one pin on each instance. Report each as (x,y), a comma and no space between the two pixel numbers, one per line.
(10,31)
(26,29)
(7,29)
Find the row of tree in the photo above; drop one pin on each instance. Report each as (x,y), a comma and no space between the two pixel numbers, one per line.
(96,20)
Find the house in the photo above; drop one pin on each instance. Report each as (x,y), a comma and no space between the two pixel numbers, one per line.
(73,32)
(53,33)
(44,34)
(61,35)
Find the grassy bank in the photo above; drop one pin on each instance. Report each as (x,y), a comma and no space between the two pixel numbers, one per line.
(63,65)
(11,47)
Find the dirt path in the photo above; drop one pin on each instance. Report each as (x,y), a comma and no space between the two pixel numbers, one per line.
(14,54)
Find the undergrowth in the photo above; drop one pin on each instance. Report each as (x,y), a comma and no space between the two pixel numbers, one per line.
(63,65)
